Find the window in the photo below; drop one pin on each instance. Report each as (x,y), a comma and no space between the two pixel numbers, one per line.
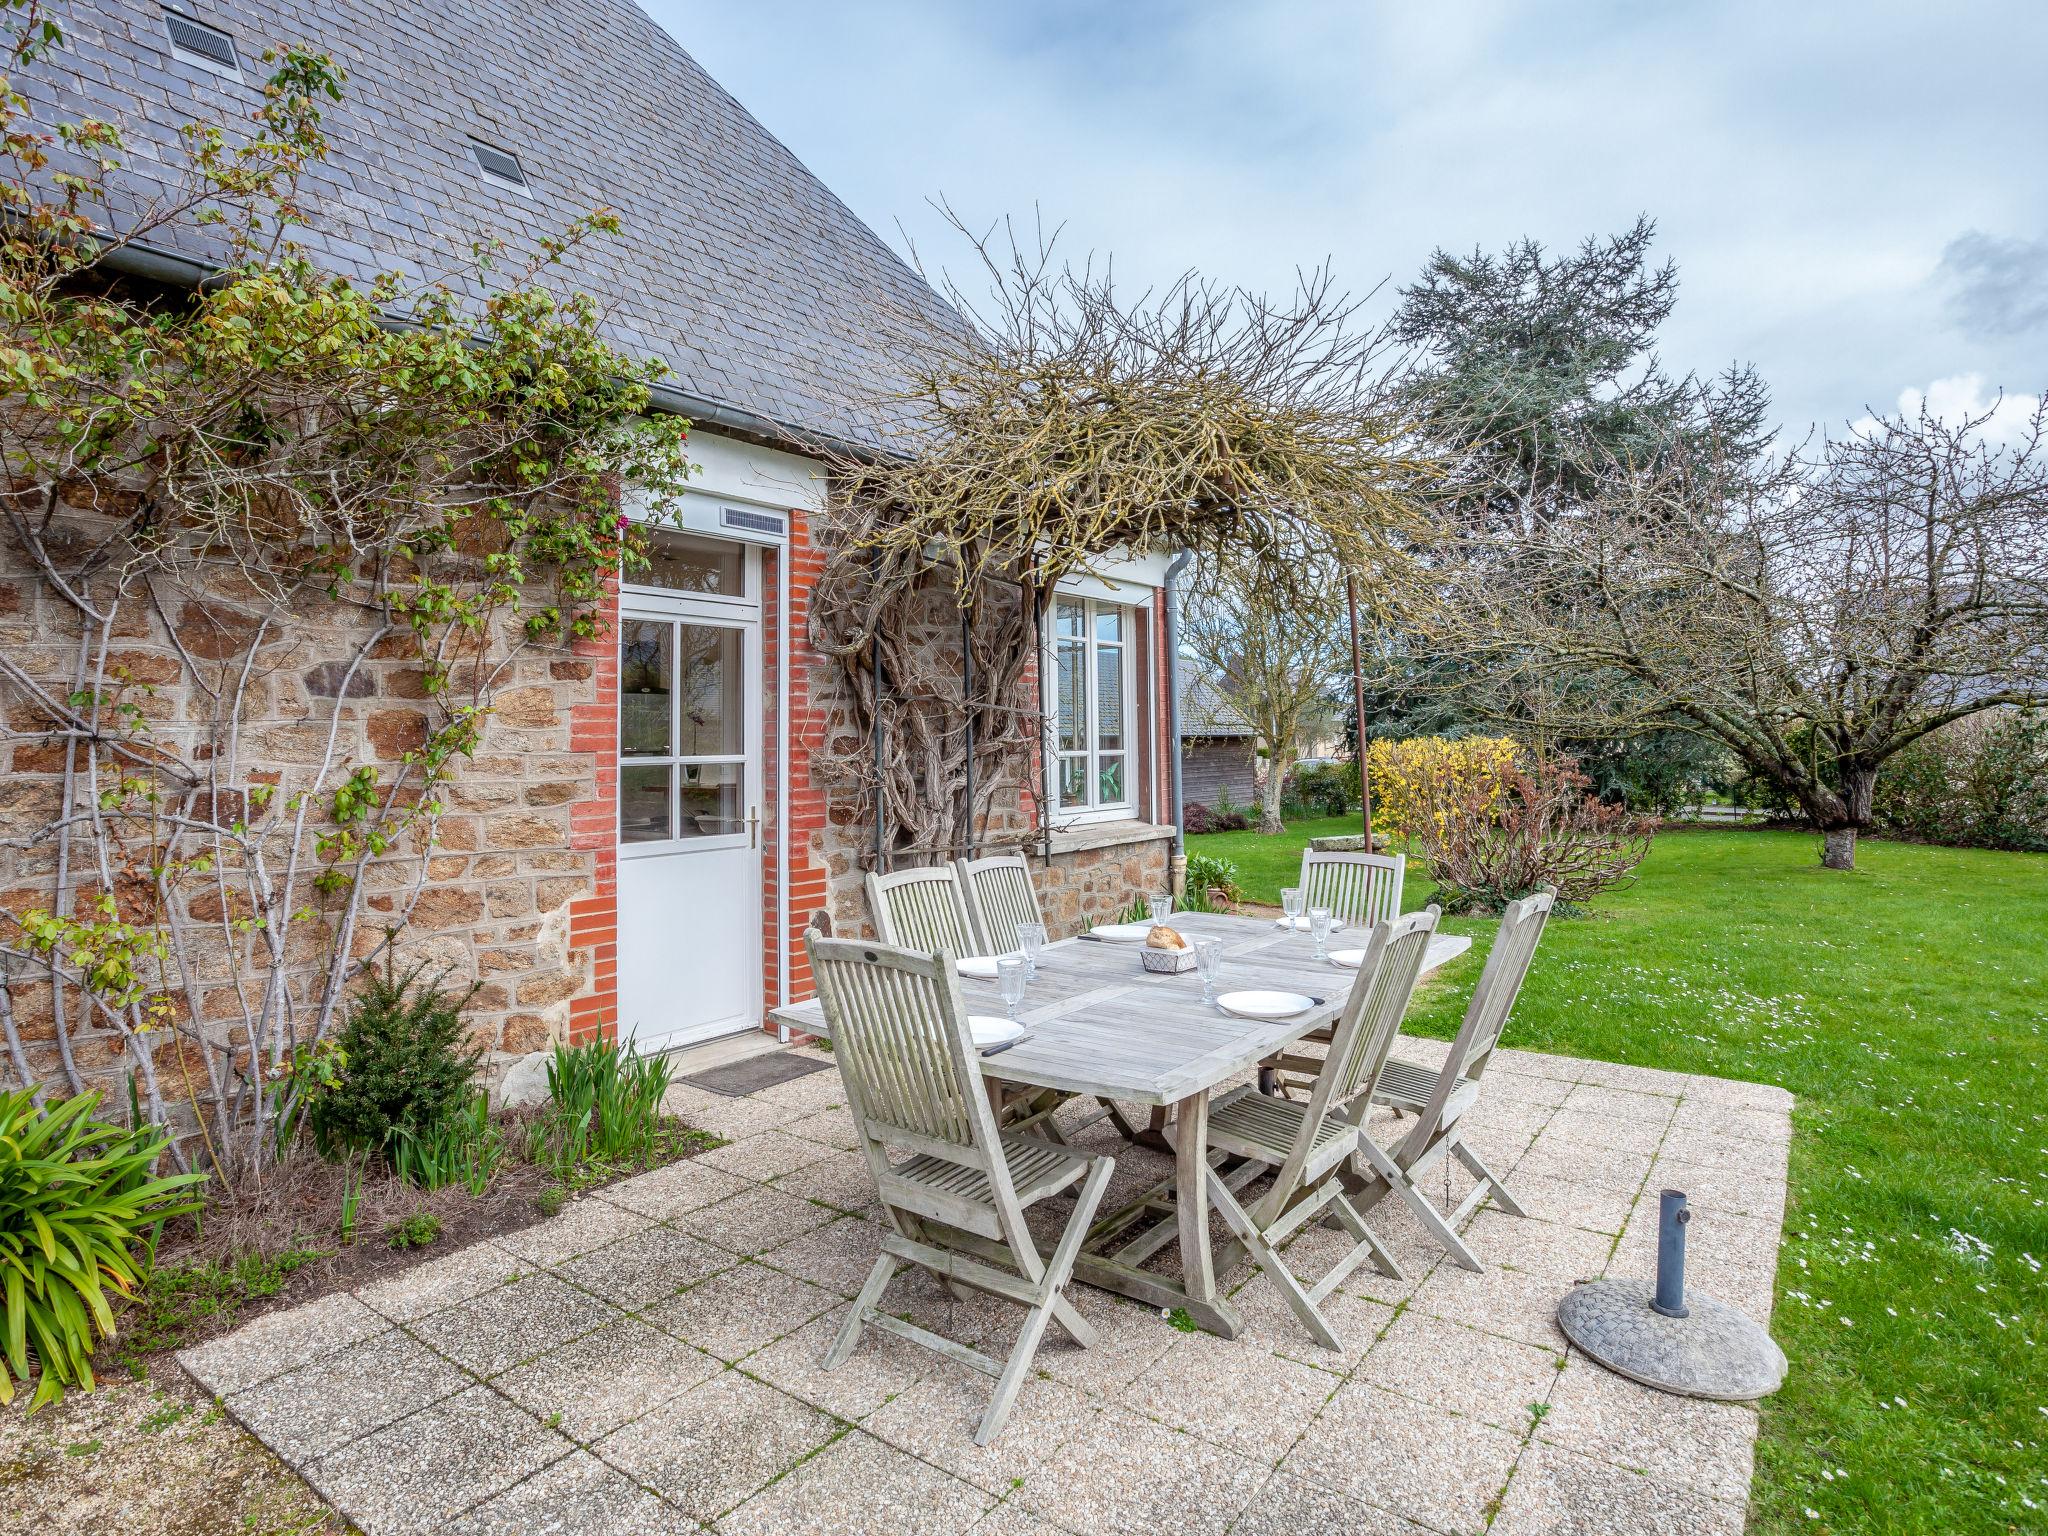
(1091,666)
(681,562)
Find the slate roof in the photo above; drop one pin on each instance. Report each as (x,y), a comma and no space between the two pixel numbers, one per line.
(738,268)
(1204,712)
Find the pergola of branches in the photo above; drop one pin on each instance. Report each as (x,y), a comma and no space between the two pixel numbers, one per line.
(1045,425)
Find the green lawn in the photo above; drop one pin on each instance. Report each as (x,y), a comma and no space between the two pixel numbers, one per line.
(1905,1005)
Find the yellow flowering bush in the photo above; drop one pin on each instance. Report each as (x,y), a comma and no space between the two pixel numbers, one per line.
(1420,779)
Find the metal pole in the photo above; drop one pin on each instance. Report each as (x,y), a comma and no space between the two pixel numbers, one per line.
(1170,643)
(881,758)
(967,711)
(1672,1217)
(1358,706)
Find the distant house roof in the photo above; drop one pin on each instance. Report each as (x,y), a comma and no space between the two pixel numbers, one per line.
(1204,711)
(737,267)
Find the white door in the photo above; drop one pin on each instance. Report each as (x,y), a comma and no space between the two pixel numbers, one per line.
(690,794)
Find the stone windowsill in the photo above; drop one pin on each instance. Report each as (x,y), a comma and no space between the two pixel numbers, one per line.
(1106,834)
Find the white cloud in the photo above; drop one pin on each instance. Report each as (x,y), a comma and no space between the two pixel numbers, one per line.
(1961,398)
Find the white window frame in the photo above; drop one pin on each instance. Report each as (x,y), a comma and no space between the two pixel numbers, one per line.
(1126,809)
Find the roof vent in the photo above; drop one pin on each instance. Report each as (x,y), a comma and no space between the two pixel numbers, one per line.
(197,43)
(498,164)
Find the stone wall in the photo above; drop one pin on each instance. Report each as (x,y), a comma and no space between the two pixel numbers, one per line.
(488,900)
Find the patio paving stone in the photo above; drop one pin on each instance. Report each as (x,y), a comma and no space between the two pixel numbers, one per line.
(1625,1172)
(280,1341)
(1143,1478)
(1511,1302)
(1129,1341)
(413,1475)
(666,1193)
(654,1355)
(936,1419)
(1582,1134)
(762,1157)
(755,1220)
(1571,1203)
(1538,1247)
(577,1496)
(1293,1506)
(1480,1375)
(1270,1324)
(344,1396)
(585,1225)
(590,1386)
(638,1271)
(881,1368)
(836,1256)
(1233,1393)
(1397,1454)
(1707,1446)
(515,1322)
(710,1449)
(1558,1494)
(831,1127)
(855,1486)
(740,1309)
(413,1293)
(841,1182)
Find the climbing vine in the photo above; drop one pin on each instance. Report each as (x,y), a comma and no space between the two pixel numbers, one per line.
(228,515)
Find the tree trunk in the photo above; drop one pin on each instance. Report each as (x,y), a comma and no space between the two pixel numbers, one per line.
(1269,796)
(1838,841)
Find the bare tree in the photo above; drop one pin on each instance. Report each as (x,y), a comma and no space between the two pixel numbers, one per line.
(1274,656)
(1815,616)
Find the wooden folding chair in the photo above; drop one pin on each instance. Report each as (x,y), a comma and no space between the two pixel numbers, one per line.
(1441,1098)
(1361,890)
(953,1189)
(999,896)
(922,909)
(1309,1145)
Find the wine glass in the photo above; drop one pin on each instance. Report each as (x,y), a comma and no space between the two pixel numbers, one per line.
(1208,960)
(1291,903)
(1319,925)
(1030,939)
(1010,977)
(1161,903)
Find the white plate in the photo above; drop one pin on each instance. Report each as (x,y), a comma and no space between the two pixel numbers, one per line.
(1300,924)
(1265,1005)
(988,1030)
(1350,958)
(1122,933)
(983,967)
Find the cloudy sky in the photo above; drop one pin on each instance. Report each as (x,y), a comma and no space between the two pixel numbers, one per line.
(1855,195)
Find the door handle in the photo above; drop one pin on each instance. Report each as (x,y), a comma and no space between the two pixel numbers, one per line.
(753,826)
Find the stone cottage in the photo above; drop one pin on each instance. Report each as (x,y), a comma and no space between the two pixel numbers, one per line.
(641,840)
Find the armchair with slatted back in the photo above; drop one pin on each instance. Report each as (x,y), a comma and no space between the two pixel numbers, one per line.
(1309,1147)
(999,896)
(1360,889)
(953,1187)
(922,909)
(1442,1097)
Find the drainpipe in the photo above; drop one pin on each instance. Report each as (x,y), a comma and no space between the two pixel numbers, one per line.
(1171,645)
(783,643)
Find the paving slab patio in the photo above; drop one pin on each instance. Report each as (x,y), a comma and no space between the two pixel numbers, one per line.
(648,1360)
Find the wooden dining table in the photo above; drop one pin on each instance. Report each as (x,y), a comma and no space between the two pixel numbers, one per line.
(1098,1024)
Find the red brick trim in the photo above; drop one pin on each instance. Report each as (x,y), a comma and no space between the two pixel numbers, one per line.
(594,824)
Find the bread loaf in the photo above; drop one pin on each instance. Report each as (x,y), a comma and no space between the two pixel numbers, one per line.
(1163,937)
